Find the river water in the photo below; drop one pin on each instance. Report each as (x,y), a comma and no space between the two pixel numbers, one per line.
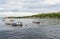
(47,29)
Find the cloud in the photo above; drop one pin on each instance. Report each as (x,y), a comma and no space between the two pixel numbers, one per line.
(29,5)
(3,14)
(51,2)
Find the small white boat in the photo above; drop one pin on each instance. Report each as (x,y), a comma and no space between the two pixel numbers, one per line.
(36,21)
(8,23)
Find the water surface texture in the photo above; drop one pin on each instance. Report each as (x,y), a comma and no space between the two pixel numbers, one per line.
(47,29)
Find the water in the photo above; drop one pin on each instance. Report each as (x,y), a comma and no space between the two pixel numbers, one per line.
(47,29)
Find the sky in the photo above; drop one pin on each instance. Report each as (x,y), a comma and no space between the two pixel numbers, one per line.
(27,7)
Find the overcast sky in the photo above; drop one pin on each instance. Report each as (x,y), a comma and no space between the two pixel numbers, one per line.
(27,7)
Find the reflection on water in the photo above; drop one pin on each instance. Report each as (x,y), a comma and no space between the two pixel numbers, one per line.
(47,29)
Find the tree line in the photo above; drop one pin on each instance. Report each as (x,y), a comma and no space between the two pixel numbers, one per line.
(46,15)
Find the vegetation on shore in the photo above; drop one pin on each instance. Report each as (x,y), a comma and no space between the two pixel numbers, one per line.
(46,15)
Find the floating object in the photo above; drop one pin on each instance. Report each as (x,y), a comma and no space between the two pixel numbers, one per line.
(26,25)
(11,20)
(8,23)
(37,22)
(17,24)
(3,20)
(14,24)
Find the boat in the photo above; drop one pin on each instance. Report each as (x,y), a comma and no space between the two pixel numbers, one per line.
(37,22)
(17,24)
(14,24)
(3,20)
(8,23)
(11,20)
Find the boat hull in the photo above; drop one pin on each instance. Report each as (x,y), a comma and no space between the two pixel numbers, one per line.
(37,22)
(14,24)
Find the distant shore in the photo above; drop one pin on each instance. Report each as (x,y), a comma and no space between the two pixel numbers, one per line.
(46,15)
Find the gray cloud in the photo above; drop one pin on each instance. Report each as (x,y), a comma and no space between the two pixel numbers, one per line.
(27,6)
